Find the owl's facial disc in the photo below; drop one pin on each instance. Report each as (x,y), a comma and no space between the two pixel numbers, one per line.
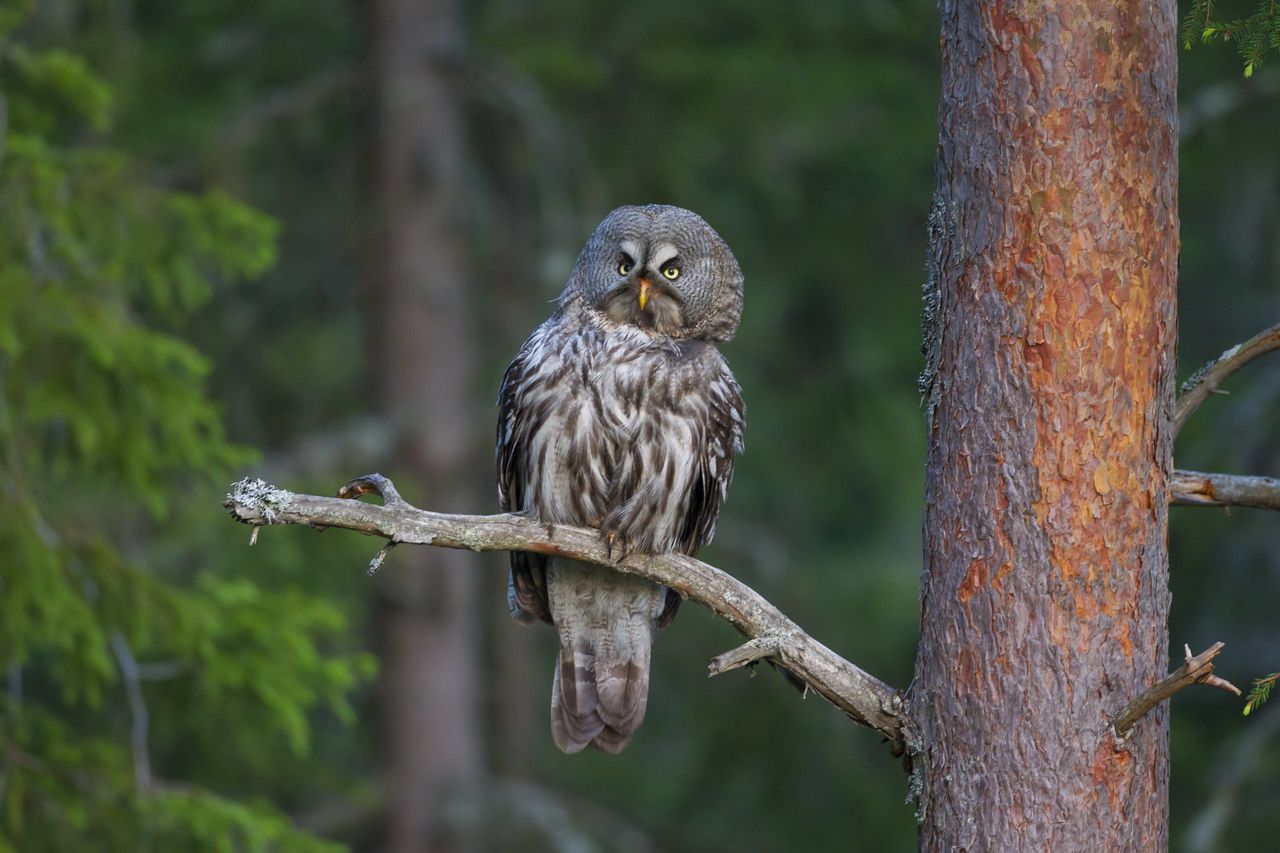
(644,294)
(694,285)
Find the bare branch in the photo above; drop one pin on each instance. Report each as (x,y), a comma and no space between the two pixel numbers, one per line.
(866,699)
(289,101)
(137,710)
(4,125)
(748,653)
(373,484)
(1196,670)
(1206,380)
(301,97)
(1196,488)
(15,686)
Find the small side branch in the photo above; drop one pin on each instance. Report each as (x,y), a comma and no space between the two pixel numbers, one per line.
(1196,488)
(1206,380)
(746,654)
(865,698)
(1197,669)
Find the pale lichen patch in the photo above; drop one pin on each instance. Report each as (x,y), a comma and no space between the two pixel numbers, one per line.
(255,501)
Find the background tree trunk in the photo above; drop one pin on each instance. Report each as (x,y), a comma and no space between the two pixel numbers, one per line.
(1051,365)
(424,362)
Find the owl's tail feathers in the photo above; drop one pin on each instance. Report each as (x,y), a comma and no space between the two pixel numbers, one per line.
(574,722)
(623,688)
(599,692)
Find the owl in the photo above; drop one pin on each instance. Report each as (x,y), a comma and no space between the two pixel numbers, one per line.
(620,414)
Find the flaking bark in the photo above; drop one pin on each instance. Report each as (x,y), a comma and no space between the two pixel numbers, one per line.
(1045,591)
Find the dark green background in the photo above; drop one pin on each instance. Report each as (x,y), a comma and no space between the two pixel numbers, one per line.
(805,133)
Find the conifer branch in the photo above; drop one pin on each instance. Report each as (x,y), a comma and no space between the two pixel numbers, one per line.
(1260,692)
(865,698)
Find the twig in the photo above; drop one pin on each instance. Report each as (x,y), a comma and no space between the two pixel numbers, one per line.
(378,558)
(137,710)
(745,654)
(301,97)
(161,670)
(1196,670)
(866,699)
(1196,488)
(374,484)
(564,821)
(1207,379)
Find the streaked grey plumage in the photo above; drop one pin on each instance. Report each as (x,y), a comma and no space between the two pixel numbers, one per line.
(619,413)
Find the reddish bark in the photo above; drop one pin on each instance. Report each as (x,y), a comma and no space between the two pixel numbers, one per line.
(424,360)
(1045,592)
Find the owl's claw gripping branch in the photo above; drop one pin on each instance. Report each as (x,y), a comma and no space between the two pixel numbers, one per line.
(770,634)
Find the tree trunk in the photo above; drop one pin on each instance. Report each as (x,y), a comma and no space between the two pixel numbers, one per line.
(424,361)
(1049,371)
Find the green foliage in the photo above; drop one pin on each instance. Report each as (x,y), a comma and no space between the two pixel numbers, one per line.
(1260,692)
(1255,36)
(191,819)
(105,426)
(277,668)
(805,132)
(65,790)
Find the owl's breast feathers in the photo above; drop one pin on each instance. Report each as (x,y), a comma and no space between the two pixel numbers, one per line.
(605,426)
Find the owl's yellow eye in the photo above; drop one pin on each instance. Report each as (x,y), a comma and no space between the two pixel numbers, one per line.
(671,272)
(624,268)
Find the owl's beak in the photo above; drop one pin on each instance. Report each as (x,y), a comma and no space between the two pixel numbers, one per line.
(644,292)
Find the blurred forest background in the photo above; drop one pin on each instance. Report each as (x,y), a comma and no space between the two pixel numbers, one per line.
(302,239)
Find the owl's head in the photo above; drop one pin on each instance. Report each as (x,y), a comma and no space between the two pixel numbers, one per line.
(661,268)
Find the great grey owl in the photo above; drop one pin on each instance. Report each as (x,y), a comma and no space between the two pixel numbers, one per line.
(619,413)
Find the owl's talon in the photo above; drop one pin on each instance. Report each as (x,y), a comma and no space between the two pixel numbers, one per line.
(616,547)
(614,541)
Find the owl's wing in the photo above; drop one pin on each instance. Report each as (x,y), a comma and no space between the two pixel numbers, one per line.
(517,422)
(722,442)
